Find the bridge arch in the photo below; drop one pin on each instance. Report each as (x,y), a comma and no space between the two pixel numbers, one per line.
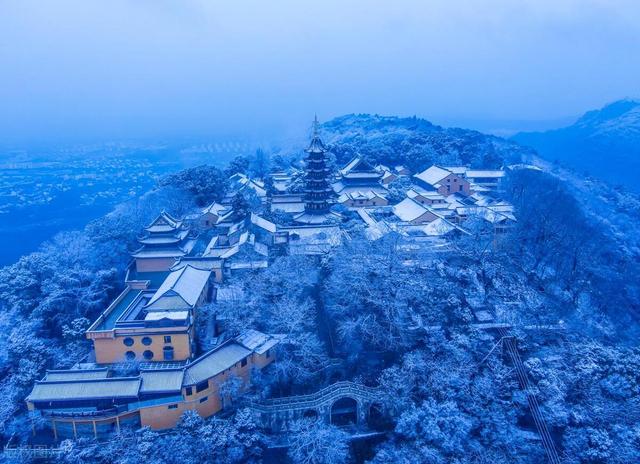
(344,411)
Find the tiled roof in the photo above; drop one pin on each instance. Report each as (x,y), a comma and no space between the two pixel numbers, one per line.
(409,210)
(185,284)
(433,175)
(76,374)
(214,362)
(161,380)
(257,341)
(119,387)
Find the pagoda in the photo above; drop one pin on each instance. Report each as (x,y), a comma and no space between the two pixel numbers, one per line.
(163,241)
(317,188)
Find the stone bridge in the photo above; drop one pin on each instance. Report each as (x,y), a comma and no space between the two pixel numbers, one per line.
(341,403)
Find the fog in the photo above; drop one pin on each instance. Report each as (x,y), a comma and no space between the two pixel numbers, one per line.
(78,71)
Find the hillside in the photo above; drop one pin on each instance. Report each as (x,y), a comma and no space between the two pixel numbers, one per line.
(602,143)
(415,142)
(392,315)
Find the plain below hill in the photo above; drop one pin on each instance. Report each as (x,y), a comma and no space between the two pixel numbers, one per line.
(603,143)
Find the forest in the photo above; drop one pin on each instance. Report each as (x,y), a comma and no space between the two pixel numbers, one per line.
(396,318)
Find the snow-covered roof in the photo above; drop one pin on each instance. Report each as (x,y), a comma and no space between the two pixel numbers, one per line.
(459,170)
(493,173)
(291,207)
(433,175)
(409,210)
(214,208)
(350,165)
(158,253)
(121,387)
(360,195)
(164,222)
(225,216)
(439,227)
(181,289)
(199,262)
(258,342)
(214,362)
(263,223)
(387,174)
(316,219)
(242,181)
(416,191)
(76,374)
(161,380)
(486,213)
(359,168)
(171,315)
(164,239)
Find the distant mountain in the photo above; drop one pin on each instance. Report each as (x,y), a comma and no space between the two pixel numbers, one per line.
(415,143)
(604,143)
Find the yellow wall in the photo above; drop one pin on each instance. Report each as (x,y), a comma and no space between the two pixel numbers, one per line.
(111,350)
(160,417)
(261,361)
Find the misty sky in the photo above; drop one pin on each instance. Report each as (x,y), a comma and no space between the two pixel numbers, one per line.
(114,69)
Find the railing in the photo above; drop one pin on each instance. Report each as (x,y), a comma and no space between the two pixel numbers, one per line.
(317,399)
(112,412)
(81,414)
(538,419)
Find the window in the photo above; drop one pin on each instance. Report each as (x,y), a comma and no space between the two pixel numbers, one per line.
(172,406)
(167,338)
(148,355)
(203,399)
(167,353)
(202,386)
(128,341)
(130,355)
(455,180)
(189,391)
(268,355)
(146,341)
(461,187)
(243,362)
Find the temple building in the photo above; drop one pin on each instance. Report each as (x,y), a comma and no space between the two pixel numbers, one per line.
(145,325)
(162,242)
(96,401)
(445,181)
(359,176)
(318,194)
(146,367)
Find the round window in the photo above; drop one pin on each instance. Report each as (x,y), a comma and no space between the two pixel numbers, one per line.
(128,341)
(148,354)
(130,355)
(146,341)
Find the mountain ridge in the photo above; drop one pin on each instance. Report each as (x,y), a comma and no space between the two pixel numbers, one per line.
(604,143)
